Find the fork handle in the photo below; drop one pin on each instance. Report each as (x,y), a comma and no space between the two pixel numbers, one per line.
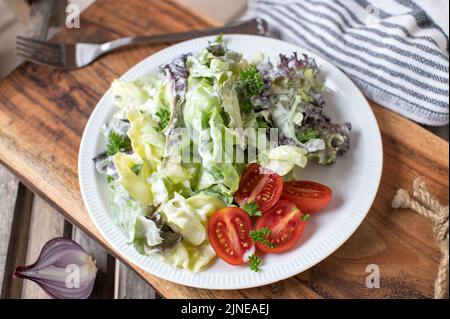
(253,26)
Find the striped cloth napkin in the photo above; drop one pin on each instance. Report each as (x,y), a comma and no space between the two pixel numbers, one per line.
(395,51)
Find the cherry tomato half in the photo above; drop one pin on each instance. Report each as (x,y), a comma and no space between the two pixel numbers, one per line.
(286,226)
(259,185)
(308,196)
(228,230)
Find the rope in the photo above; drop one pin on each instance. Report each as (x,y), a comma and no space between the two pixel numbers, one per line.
(429,207)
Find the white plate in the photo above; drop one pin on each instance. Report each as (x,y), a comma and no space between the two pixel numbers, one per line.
(354,178)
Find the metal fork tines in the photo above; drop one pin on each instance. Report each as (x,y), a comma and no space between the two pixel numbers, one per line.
(73,56)
(50,54)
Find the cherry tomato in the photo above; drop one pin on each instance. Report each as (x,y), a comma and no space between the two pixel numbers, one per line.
(286,226)
(259,185)
(228,230)
(308,196)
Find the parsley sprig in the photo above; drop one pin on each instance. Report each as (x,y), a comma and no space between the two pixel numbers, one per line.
(164,118)
(262,123)
(307,135)
(250,83)
(219,38)
(136,168)
(261,235)
(251,79)
(255,263)
(252,209)
(117,143)
(305,217)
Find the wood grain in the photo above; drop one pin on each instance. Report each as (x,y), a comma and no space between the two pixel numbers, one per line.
(129,285)
(17,245)
(45,224)
(43,113)
(104,282)
(8,194)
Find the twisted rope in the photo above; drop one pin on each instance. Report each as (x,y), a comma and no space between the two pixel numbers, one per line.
(429,207)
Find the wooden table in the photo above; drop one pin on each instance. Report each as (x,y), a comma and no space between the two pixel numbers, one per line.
(43,114)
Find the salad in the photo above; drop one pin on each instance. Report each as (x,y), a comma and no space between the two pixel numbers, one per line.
(204,158)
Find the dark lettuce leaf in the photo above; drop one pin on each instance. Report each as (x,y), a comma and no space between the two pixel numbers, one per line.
(290,67)
(104,164)
(335,136)
(118,126)
(296,76)
(169,237)
(176,74)
(217,49)
(337,141)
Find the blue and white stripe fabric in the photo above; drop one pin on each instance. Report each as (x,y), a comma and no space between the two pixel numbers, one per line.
(396,51)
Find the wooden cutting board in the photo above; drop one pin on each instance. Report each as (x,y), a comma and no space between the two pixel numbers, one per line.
(43,113)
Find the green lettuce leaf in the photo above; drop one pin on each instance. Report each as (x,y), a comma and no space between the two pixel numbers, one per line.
(184,220)
(192,258)
(135,184)
(145,140)
(124,210)
(189,217)
(230,103)
(205,126)
(283,159)
(128,95)
(204,206)
(147,236)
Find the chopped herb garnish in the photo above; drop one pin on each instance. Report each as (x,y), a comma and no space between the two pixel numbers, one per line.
(219,38)
(246,106)
(109,178)
(305,217)
(262,123)
(262,235)
(117,143)
(252,209)
(250,83)
(136,168)
(251,80)
(164,118)
(307,135)
(255,263)
(217,47)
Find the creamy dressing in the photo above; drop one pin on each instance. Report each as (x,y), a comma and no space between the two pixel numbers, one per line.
(248,253)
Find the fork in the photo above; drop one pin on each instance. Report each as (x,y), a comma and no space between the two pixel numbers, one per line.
(73,56)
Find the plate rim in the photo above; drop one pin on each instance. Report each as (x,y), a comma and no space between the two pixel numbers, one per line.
(86,181)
